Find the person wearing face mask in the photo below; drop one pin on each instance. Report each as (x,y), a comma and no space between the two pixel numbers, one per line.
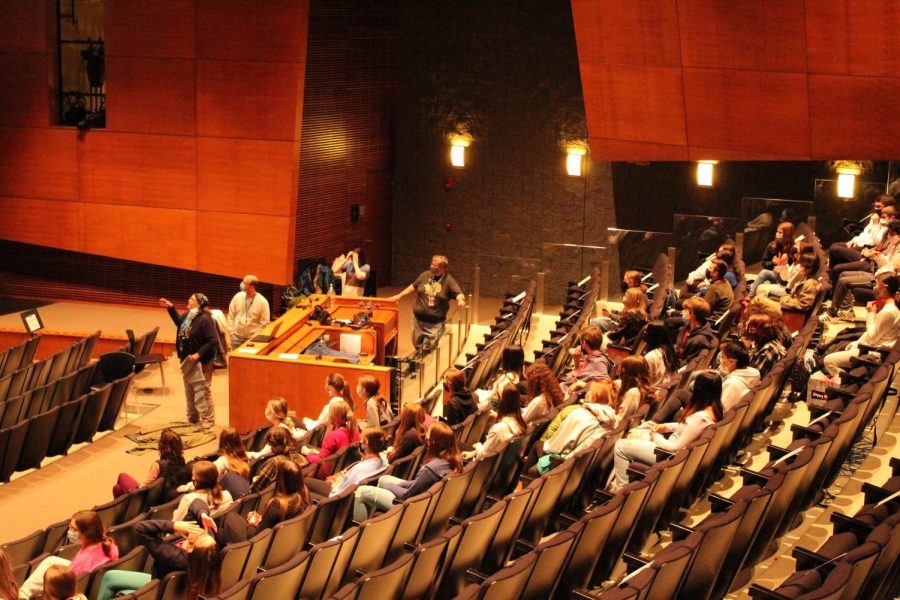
(882,325)
(841,303)
(247,313)
(738,377)
(378,409)
(97,549)
(697,334)
(434,289)
(196,347)
(843,258)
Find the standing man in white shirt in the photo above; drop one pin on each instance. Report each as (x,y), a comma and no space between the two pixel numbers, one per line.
(247,313)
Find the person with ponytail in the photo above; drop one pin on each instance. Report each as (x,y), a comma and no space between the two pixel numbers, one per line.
(196,345)
(442,458)
(205,480)
(276,413)
(97,549)
(378,409)
(338,390)
(291,498)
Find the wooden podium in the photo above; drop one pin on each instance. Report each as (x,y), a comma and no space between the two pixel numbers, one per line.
(259,371)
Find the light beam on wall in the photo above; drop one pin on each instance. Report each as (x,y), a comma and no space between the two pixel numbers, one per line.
(575,161)
(705,172)
(846,183)
(458,152)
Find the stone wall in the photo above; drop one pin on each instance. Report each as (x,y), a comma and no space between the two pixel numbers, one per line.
(506,73)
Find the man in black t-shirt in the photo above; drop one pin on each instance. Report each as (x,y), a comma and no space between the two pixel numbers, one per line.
(434,289)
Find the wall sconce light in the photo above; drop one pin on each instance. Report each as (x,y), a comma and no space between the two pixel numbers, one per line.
(458,152)
(846,183)
(575,161)
(705,172)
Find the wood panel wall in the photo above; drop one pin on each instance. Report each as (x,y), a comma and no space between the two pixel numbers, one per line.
(348,131)
(197,168)
(760,80)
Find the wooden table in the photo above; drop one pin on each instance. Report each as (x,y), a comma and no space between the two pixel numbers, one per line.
(259,371)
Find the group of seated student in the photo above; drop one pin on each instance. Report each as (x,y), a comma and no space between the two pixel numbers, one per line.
(595,397)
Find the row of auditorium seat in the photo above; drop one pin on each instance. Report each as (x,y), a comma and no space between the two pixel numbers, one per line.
(18,356)
(33,375)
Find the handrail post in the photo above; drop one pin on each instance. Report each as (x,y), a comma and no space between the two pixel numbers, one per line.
(671,267)
(604,281)
(421,369)
(437,362)
(811,221)
(469,315)
(539,294)
(476,293)
(739,244)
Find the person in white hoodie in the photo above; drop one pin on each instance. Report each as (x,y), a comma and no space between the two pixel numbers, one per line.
(738,377)
(583,425)
(882,325)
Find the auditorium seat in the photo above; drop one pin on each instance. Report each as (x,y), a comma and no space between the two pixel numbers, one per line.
(424,575)
(332,516)
(93,411)
(288,538)
(414,511)
(117,397)
(37,440)
(384,583)
(469,550)
(446,502)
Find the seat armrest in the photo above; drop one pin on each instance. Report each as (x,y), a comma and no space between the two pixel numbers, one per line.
(800,430)
(663,455)
(633,562)
(807,559)
(476,576)
(866,349)
(635,475)
(679,532)
(817,411)
(895,465)
(875,494)
(719,503)
(760,593)
(833,393)
(775,452)
(843,523)
(582,595)
(751,477)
